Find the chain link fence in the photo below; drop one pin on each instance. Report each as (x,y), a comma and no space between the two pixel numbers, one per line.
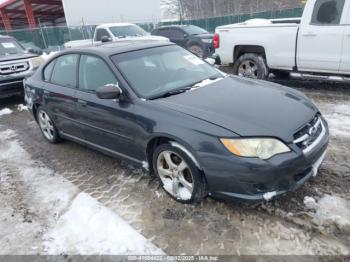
(53,38)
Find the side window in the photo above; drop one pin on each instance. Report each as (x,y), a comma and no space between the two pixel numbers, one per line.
(94,73)
(327,12)
(64,72)
(177,34)
(163,32)
(48,70)
(101,33)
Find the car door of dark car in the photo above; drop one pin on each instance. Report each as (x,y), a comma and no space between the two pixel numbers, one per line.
(178,37)
(107,123)
(60,78)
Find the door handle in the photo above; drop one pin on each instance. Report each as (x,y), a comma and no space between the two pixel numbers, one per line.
(82,102)
(310,34)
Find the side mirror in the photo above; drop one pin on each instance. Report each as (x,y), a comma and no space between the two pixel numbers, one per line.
(110,91)
(105,39)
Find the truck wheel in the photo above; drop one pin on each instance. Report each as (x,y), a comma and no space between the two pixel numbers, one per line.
(251,65)
(179,175)
(280,74)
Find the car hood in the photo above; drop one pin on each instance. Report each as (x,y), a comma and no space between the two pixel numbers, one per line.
(13,57)
(246,107)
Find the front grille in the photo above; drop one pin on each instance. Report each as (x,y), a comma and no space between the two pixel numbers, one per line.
(11,68)
(309,136)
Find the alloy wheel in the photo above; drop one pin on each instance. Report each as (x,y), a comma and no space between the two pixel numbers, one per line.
(176,175)
(46,125)
(248,69)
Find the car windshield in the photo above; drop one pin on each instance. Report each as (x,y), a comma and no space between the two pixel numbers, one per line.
(10,47)
(128,30)
(194,30)
(157,71)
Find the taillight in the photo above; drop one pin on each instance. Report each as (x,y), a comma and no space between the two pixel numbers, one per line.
(216,41)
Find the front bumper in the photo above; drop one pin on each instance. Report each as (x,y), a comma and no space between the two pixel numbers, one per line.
(12,85)
(252,179)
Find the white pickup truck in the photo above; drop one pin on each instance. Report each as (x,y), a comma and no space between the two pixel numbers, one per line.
(115,32)
(316,44)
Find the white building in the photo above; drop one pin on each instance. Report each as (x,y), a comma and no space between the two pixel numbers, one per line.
(92,12)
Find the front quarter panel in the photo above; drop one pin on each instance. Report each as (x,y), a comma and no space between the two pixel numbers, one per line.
(195,135)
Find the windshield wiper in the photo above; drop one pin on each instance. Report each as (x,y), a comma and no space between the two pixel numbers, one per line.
(171,93)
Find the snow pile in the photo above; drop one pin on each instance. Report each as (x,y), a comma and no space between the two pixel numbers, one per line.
(71,222)
(47,56)
(257,22)
(339,120)
(88,226)
(5,111)
(329,211)
(22,107)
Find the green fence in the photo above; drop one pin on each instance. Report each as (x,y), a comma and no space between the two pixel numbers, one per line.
(50,38)
(211,23)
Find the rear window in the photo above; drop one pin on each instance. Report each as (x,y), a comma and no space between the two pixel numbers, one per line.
(65,71)
(327,12)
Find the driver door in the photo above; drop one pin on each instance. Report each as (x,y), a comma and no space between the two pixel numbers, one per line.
(320,37)
(108,124)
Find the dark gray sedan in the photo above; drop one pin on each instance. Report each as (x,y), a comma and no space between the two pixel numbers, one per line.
(202,132)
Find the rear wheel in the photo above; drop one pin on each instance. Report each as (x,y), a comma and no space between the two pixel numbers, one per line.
(179,175)
(197,50)
(47,126)
(251,66)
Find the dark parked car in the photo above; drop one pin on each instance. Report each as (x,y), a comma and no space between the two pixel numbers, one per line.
(193,38)
(16,63)
(199,130)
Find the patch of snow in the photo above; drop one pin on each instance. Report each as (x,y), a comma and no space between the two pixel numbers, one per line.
(88,227)
(338,119)
(269,195)
(184,194)
(69,222)
(331,210)
(47,56)
(22,107)
(5,111)
(257,22)
(310,202)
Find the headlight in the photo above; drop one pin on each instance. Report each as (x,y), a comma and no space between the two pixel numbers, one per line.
(263,148)
(37,61)
(208,41)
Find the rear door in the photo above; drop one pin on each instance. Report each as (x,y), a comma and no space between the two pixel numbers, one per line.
(59,95)
(345,59)
(177,36)
(108,124)
(321,37)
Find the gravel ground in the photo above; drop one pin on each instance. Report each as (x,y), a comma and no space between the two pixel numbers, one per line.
(283,226)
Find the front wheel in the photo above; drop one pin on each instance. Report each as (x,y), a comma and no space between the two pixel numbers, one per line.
(47,126)
(179,175)
(251,66)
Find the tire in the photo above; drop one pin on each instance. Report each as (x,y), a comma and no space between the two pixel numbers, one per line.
(280,74)
(47,126)
(197,50)
(251,65)
(187,186)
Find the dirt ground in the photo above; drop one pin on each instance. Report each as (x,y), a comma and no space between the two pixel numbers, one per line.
(302,222)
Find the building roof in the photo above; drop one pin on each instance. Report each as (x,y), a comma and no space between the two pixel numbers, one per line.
(29,13)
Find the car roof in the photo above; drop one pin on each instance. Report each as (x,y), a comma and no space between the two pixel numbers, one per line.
(113,24)
(6,36)
(114,48)
(173,26)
